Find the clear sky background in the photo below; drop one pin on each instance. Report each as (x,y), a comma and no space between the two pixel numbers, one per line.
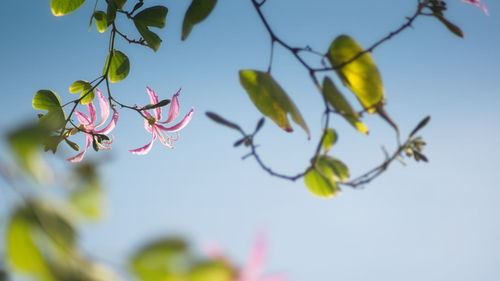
(435,221)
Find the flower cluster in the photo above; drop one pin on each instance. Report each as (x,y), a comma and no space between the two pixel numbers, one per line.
(88,126)
(152,124)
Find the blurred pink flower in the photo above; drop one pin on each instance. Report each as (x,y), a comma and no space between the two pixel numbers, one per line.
(153,124)
(87,124)
(252,271)
(478,4)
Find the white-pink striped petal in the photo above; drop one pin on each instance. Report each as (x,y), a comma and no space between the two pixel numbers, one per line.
(106,130)
(104,107)
(79,156)
(82,118)
(154,100)
(145,149)
(173,112)
(179,126)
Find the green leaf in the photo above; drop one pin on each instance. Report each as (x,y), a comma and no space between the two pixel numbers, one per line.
(212,271)
(271,99)
(451,27)
(361,76)
(153,40)
(342,106)
(319,185)
(50,101)
(22,253)
(88,199)
(118,68)
(329,139)
(64,7)
(323,178)
(165,259)
(198,11)
(25,143)
(87,92)
(39,234)
(101,21)
(153,16)
(332,168)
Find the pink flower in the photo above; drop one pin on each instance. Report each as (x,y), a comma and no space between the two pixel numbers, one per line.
(252,271)
(87,124)
(153,124)
(478,4)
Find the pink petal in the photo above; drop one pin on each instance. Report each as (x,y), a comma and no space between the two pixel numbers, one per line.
(104,106)
(274,278)
(256,259)
(173,112)
(166,141)
(79,156)
(154,100)
(110,126)
(91,110)
(145,149)
(82,118)
(179,126)
(478,3)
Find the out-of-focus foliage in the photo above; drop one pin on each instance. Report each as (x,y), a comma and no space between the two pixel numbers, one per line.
(198,11)
(271,99)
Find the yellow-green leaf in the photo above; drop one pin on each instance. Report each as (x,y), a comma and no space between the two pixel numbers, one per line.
(342,106)
(22,253)
(329,139)
(166,259)
(50,101)
(119,66)
(101,21)
(87,92)
(319,185)
(332,168)
(25,142)
(271,99)
(361,76)
(198,11)
(64,7)
(212,271)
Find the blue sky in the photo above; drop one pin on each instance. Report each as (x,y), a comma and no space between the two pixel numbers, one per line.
(435,221)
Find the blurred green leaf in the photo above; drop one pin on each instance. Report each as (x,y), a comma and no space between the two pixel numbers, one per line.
(153,40)
(220,120)
(319,185)
(342,106)
(87,92)
(166,259)
(451,27)
(361,75)
(271,99)
(198,11)
(154,16)
(88,199)
(50,101)
(323,178)
(119,66)
(332,168)
(37,235)
(25,143)
(212,271)
(22,253)
(64,7)
(329,140)
(101,21)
